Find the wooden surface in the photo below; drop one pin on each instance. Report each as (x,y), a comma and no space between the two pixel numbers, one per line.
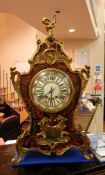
(7,152)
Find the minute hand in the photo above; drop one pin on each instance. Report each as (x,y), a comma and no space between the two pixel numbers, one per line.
(51,90)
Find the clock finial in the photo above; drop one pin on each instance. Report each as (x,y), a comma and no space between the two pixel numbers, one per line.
(49,25)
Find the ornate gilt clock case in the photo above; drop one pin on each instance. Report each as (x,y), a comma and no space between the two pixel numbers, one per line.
(50,91)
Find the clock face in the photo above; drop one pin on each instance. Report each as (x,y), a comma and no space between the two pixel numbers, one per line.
(51,90)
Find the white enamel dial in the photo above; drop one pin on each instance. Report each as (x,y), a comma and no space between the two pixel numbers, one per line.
(51,90)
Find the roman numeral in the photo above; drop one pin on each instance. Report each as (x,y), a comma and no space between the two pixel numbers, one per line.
(58,79)
(39,90)
(40,97)
(51,103)
(52,77)
(61,84)
(45,102)
(58,101)
(54,102)
(61,97)
(64,91)
(45,79)
(40,84)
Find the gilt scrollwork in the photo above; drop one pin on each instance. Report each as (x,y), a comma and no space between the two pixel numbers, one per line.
(52,133)
(86,71)
(85,77)
(52,49)
(50,55)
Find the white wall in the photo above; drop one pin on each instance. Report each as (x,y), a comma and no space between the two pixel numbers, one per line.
(96,56)
(94,47)
(17,40)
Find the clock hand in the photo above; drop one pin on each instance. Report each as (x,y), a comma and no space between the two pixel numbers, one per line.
(51,90)
(45,95)
(51,97)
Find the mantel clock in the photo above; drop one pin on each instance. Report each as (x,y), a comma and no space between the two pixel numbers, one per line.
(50,91)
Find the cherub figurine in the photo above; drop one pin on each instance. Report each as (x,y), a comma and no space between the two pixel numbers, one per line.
(49,25)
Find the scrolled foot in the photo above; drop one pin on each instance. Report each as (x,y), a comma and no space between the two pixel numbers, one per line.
(88,156)
(17,159)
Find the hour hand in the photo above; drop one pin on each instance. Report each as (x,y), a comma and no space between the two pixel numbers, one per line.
(50,91)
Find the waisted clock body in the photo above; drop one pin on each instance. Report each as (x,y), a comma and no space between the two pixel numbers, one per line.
(50,91)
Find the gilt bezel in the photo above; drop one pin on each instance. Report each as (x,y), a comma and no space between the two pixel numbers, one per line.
(52,109)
